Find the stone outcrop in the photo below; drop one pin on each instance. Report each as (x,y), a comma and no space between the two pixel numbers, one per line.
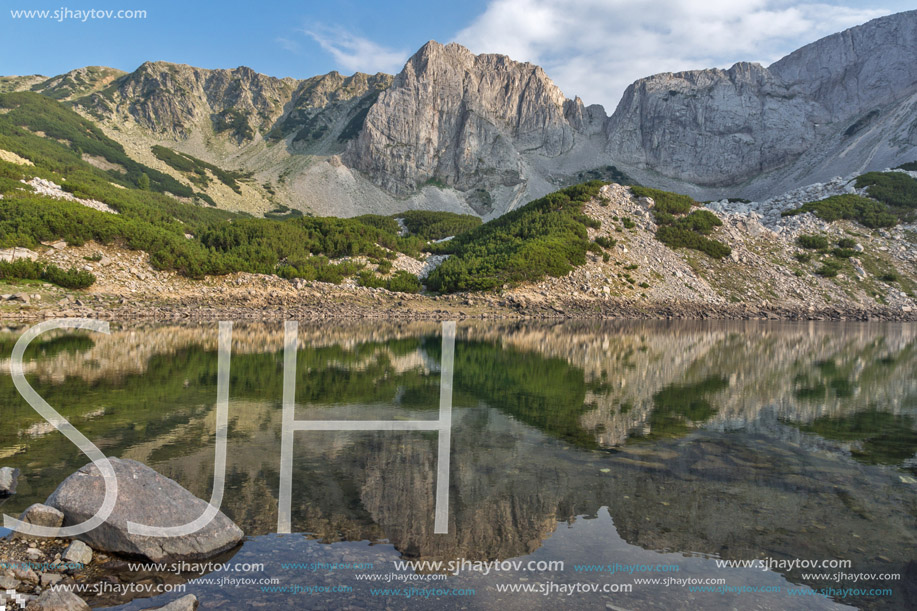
(11,254)
(144,497)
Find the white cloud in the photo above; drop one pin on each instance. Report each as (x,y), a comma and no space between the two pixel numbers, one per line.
(354,53)
(595,48)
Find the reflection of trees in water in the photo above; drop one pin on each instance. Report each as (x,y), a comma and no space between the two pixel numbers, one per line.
(874,437)
(680,407)
(591,385)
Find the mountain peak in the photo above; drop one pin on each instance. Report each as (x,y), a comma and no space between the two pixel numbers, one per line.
(461,119)
(866,66)
(79,82)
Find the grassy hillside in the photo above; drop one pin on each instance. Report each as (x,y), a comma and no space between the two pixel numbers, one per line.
(56,138)
(546,237)
(194,240)
(197,170)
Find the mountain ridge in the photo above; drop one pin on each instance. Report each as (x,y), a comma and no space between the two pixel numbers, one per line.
(484,134)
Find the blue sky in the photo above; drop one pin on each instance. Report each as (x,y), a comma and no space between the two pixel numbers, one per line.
(591,48)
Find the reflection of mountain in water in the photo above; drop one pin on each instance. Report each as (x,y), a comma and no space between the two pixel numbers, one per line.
(739,496)
(806,371)
(739,441)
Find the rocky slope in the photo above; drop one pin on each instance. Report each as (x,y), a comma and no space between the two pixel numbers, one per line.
(636,277)
(761,271)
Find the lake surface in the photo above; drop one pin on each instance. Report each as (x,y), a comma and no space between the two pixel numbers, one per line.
(623,452)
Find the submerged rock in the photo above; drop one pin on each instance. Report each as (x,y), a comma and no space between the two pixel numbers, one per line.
(144,497)
(9,477)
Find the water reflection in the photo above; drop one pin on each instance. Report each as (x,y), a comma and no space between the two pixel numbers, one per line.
(734,441)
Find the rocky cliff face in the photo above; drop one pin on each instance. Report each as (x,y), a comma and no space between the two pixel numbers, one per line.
(329,110)
(806,115)
(840,105)
(171,99)
(855,71)
(466,121)
(711,127)
(174,101)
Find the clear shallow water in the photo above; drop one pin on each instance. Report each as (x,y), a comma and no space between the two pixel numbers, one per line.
(659,445)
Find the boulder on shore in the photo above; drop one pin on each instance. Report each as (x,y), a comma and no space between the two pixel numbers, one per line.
(9,477)
(144,497)
(40,515)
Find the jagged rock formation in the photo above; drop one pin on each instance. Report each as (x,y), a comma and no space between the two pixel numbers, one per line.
(470,122)
(484,133)
(172,99)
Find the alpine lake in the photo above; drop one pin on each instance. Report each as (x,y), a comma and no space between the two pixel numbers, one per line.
(593,465)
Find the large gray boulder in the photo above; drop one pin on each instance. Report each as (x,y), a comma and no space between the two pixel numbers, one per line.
(144,497)
(9,477)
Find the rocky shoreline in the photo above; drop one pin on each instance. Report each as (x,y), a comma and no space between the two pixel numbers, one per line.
(435,309)
(54,573)
(367,304)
